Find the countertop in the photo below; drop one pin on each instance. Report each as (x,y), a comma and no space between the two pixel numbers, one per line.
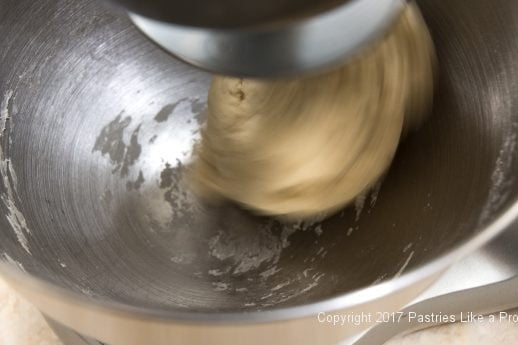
(22,324)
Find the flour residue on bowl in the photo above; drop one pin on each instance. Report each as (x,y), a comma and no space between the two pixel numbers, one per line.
(252,250)
(501,178)
(256,255)
(150,155)
(14,215)
(405,264)
(359,202)
(110,142)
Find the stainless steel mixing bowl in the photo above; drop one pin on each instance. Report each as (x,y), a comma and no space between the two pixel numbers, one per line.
(97,127)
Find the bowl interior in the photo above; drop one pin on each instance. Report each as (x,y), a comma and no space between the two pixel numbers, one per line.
(98,129)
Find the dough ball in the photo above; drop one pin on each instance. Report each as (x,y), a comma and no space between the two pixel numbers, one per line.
(298,148)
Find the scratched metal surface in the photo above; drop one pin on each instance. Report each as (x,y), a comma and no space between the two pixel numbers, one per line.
(97,131)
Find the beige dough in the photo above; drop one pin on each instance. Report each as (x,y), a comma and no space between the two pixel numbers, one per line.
(302,147)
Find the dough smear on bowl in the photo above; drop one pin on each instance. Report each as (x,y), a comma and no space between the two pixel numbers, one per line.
(298,148)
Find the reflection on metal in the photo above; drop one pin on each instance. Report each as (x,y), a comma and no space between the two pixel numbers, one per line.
(482,283)
(307,44)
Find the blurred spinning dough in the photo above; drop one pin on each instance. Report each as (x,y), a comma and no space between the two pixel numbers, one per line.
(302,147)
